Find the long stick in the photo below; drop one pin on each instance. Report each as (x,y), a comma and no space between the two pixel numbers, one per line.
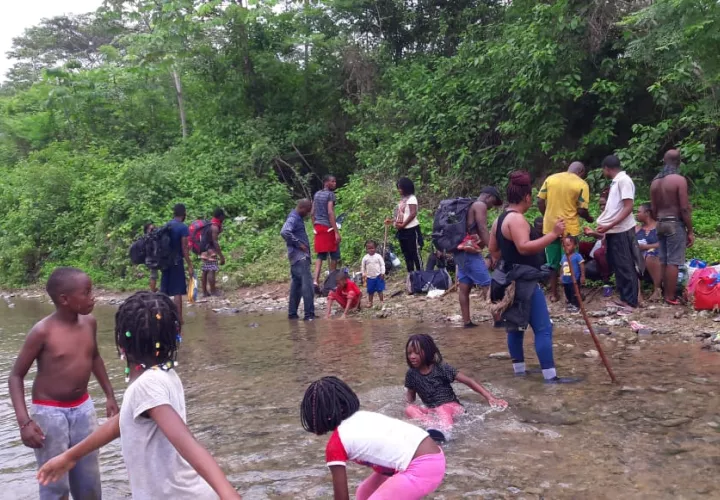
(587,321)
(385,242)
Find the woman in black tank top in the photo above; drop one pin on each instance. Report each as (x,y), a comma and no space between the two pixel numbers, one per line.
(510,240)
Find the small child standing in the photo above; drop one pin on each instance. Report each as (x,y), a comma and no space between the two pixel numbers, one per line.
(373,272)
(406,462)
(64,345)
(161,455)
(431,379)
(578,266)
(346,294)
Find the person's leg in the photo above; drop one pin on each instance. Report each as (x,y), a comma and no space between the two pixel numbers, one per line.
(56,429)
(334,259)
(654,269)
(204,280)
(330,299)
(570,294)
(676,242)
(370,299)
(419,413)
(370,485)
(543,329)
(296,285)
(621,259)
(85,476)
(306,289)
(212,281)
(423,476)
(553,255)
(432,261)
(516,349)
(406,245)
(318,269)
(447,413)
(380,296)
(178,299)
(464,298)
(415,249)
(153,280)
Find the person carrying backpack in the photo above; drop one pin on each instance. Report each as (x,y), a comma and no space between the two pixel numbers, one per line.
(212,256)
(172,282)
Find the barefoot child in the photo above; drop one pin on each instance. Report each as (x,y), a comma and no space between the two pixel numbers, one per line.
(431,379)
(373,271)
(65,347)
(346,294)
(162,457)
(578,266)
(407,464)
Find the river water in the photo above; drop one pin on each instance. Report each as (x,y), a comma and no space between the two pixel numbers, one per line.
(655,435)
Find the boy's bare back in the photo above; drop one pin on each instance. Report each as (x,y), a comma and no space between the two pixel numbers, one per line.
(65,354)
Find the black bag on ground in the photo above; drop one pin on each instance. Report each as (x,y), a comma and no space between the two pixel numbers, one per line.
(424,281)
(137,251)
(330,282)
(450,223)
(159,253)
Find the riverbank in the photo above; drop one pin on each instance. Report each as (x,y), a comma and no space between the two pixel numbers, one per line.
(655,321)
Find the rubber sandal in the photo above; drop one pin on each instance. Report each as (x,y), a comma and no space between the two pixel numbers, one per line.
(563,380)
(675,302)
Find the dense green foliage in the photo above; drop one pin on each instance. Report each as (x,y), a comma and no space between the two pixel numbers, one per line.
(109,118)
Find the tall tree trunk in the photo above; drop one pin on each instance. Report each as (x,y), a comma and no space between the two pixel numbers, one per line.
(181,102)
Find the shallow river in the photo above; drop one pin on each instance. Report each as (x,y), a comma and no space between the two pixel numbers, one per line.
(655,435)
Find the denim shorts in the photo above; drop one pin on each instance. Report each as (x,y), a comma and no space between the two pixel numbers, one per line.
(63,429)
(473,271)
(672,235)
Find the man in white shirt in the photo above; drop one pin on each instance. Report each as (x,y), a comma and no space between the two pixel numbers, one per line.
(617,223)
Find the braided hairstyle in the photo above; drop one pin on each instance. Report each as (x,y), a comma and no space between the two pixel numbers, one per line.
(327,402)
(423,343)
(147,330)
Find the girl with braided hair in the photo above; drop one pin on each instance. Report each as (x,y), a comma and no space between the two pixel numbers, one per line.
(406,462)
(161,455)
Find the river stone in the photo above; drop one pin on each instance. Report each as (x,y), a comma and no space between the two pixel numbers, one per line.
(499,355)
(674,422)
(533,491)
(592,353)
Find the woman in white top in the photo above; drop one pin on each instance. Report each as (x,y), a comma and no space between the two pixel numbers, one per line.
(408,226)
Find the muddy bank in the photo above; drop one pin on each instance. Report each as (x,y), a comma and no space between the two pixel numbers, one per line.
(654,321)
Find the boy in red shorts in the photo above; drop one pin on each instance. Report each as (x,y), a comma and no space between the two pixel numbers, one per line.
(346,294)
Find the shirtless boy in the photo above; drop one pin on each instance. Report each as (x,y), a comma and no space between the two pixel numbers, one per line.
(65,347)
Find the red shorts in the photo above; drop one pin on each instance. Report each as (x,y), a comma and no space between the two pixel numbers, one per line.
(342,300)
(324,239)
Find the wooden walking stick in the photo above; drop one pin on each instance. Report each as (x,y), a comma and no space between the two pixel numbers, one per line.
(587,321)
(385,242)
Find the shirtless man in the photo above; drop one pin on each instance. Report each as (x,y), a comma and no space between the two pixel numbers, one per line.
(65,347)
(472,269)
(669,198)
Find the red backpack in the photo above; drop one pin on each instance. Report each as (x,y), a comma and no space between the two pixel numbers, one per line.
(199,239)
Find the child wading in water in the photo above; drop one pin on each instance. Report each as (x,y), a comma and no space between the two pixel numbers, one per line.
(407,464)
(578,266)
(431,379)
(162,457)
(373,271)
(346,294)
(65,347)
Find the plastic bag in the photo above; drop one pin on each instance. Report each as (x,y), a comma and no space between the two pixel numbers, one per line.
(192,289)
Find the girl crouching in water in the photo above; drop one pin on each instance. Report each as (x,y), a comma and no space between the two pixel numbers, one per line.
(431,379)
(161,455)
(406,462)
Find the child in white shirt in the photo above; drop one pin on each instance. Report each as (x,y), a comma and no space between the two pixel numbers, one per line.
(373,272)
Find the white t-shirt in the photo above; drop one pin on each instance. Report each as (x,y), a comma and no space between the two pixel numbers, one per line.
(373,265)
(622,188)
(404,211)
(383,443)
(155,468)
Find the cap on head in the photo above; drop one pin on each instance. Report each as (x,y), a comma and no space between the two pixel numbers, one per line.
(63,281)
(493,191)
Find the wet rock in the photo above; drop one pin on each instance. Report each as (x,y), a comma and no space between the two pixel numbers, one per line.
(599,314)
(499,355)
(657,389)
(674,422)
(652,314)
(681,390)
(714,425)
(627,389)
(533,491)
(645,331)
(592,353)
(679,314)
(254,325)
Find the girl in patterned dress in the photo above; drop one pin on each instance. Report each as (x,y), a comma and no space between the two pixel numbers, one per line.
(431,379)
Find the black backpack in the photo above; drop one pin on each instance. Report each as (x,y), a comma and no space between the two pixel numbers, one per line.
(137,251)
(159,253)
(450,223)
(424,281)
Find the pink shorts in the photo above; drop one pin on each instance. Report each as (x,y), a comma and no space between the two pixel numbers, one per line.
(441,418)
(422,476)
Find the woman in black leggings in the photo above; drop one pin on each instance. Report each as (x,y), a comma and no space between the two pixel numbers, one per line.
(408,226)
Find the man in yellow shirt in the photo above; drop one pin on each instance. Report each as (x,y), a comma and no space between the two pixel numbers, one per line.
(565,195)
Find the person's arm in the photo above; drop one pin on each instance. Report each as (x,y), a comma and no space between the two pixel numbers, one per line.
(493,246)
(585,214)
(312,213)
(480,214)
(382,267)
(542,198)
(31,434)
(411,217)
(520,235)
(58,466)
(654,197)
(472,384)
(685,211)
(626,210)
(186,254)
(340,483)
(351,296)
(215,231)
(188,447)
(593,234)
(410,395)
(582,272)
(542,206)
(331,216)
(363,266)
(98,369)
(584,203)
(288,233)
